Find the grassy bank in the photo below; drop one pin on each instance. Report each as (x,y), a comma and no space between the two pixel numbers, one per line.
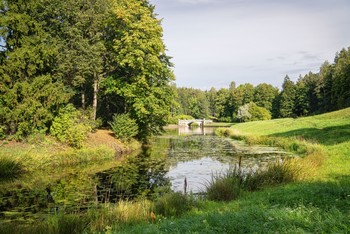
(317,202)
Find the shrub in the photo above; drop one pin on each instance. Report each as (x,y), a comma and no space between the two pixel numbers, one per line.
(194,125)
(124,127)
(70,127)
(9,169)
(252,112)
(224,132)
(175,119)
(224,187)
(173,204)
(225,119)
(276,173)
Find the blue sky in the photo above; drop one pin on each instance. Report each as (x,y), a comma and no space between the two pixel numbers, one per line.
(214,42)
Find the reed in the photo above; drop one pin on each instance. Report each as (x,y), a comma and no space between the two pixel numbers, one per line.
(174,204)
(10,169)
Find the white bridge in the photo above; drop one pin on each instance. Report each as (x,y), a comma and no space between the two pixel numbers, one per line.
(188,122)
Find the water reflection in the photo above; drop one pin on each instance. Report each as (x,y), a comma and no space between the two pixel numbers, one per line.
(186,130)
(140,175)
(197,157)
(195,154)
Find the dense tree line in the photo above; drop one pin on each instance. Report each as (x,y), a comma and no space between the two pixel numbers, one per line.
(106,56)
(313,93)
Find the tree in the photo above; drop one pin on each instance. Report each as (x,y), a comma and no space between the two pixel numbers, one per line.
(222,111)
(239,96)
(29,95)
(265,95)
(252,112)
(144,74)
(341,79)
(286,99)
(301,101)
(82,50)
(323,88)
(211,96)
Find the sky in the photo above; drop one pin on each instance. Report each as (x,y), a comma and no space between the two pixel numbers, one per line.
(215,42)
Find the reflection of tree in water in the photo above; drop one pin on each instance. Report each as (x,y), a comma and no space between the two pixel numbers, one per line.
(140,175)
(188,148)
(195,147)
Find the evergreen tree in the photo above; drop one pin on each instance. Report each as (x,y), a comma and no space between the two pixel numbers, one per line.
(341,79)
(286,99)
(29,94)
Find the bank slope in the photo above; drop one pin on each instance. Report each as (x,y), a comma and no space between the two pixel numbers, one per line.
(318,205)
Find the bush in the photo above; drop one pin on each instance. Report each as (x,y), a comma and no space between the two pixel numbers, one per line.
(276,173)
(194,125)
(124,127)
(225,119)
(70,127)
(224,132)
(9,169)
(175,119)
(252,112)
(224,187)
(173,204)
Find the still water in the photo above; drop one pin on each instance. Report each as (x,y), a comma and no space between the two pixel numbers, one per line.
(194,154)
(198,155)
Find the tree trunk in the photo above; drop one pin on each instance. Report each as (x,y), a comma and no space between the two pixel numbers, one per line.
(83,97)
(94,103)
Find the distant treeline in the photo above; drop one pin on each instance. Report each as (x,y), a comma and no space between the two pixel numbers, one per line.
(314,93)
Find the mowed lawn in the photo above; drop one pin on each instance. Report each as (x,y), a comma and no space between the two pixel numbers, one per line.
(316,205)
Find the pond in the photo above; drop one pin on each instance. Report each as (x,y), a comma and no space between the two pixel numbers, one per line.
(194,154)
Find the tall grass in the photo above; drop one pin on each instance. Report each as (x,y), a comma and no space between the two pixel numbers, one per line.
(224,187)
(174,204)
(10,169)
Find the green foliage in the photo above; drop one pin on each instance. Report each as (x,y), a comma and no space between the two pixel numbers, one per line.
(192,102)
(10,169)
(174,204)
(276,173)
(287,96)
(252,112)
(144,75)
(194,125)
(70,127)
(264,95)
(124,127)
(175,119)
(223,132)
(341,79)
(224,187)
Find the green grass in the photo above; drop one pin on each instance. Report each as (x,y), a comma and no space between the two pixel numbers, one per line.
(10,169)
(319,203)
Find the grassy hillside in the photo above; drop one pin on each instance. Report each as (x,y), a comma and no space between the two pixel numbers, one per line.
(331,131)
(315,205)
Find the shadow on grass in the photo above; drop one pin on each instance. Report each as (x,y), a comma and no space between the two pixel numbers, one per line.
(326,136)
